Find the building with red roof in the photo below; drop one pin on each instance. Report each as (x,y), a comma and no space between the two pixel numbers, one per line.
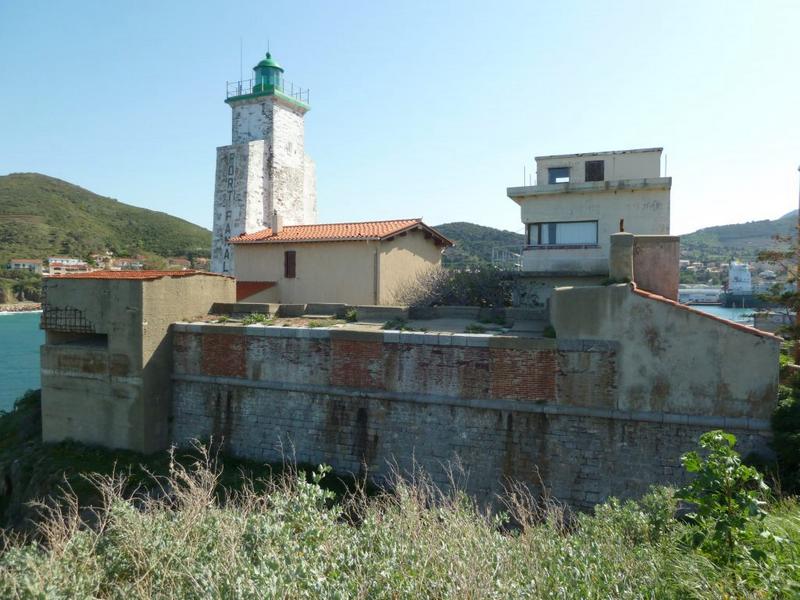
(351,263)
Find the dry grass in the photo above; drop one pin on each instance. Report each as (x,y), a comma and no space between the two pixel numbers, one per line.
(286,537)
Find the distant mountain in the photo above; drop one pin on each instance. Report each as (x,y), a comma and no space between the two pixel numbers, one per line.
(474,243)
(741,240)
(42,216)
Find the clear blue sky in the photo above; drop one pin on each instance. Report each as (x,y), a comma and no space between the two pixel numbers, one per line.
(424,109)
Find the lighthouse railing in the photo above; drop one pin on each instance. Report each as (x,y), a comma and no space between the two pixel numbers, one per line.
(245,87)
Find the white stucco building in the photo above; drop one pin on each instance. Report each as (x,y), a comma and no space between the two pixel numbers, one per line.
(581,199)
(265,169)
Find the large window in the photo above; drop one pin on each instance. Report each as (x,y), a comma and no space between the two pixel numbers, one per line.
(558,175)
(576,233)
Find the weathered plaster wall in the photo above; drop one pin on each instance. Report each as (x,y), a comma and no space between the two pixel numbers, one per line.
(526,409)
(264,169)
(618,165)
(656,265)
(240,191)
(107,359)
(341,272)
(673,358)
(644,208)
(402,259)
(534,291)
(90,385)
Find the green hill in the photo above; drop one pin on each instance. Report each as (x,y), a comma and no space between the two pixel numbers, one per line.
(740,240)
(474,243)
(41,216)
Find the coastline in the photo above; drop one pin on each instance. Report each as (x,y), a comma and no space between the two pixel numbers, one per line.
(19,307)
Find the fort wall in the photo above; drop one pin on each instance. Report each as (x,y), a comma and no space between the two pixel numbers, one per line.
(541,411)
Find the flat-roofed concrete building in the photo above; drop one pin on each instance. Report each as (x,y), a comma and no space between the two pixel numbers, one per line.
(107,357)
(578,201)
(581,199)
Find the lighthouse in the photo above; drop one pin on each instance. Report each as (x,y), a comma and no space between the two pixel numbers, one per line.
(265,171)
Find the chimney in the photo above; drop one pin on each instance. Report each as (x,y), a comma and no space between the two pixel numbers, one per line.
(277,223)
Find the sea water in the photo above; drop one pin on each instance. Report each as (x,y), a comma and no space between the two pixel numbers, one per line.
(20,338)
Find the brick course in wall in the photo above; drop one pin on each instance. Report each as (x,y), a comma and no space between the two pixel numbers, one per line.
(530,410)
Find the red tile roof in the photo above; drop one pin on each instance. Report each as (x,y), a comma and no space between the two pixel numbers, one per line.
(339,232)
(133,275)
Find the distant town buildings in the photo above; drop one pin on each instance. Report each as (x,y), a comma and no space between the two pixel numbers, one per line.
(25,264)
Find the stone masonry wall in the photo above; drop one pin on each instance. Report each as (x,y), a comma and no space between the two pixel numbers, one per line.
(500,408)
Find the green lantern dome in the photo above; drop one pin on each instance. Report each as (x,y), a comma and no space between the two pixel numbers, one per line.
(268,75)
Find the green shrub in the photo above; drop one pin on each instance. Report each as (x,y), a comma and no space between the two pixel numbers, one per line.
(257,318)
(351,315)
(475,328)
(398,323)
(786,438)
(728,499)
(549,332)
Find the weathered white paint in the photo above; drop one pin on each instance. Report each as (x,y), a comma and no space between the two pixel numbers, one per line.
(263,170)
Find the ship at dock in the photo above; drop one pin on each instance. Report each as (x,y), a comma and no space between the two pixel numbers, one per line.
(741,292)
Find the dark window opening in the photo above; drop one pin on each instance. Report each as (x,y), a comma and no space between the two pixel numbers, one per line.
(290,264)
(595,170)
(64,338)
(558,175)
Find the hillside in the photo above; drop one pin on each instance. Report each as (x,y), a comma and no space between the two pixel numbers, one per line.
(474,243)
(741,240)
(41,216)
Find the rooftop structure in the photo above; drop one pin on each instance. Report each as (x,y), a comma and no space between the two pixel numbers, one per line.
(106,357)
(581,199)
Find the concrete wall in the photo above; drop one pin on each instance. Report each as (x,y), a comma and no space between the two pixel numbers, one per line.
(402,259)
(673,358)
(656,265)
(107,360)
(500,407)
(337,272)
(325,272)
(625,164)
(90,389)
(643,206)
(535,291)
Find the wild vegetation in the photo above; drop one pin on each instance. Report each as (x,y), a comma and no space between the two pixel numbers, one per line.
(42,216)
(187,530)
(474,244)
(19,285)
(485,286)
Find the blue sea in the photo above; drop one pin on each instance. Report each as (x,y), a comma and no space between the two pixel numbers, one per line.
(20,338)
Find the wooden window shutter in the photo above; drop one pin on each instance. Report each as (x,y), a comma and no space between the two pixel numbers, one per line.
(290,264)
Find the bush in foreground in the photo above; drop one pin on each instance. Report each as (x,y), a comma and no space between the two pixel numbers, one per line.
(289,539)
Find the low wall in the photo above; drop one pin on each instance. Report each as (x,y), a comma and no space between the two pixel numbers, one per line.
(672,357)
(534,410)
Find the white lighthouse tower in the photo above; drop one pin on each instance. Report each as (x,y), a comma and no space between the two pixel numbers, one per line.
(265,170)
